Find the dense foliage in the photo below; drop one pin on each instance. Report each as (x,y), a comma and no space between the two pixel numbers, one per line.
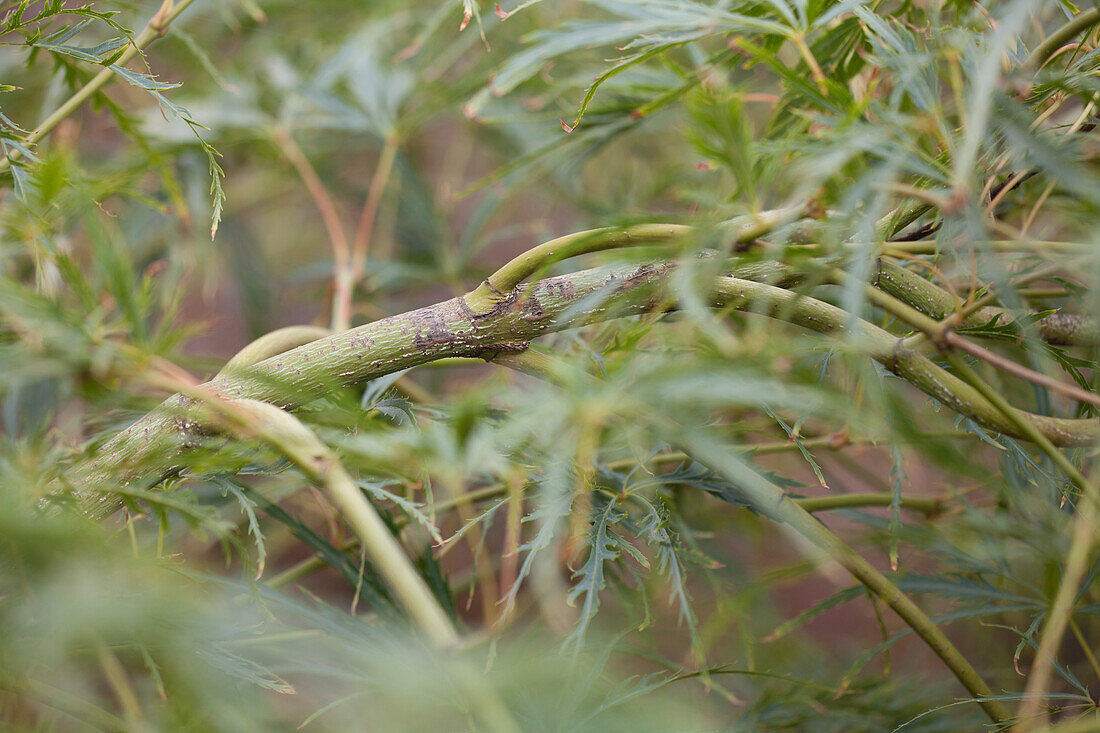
(811,446)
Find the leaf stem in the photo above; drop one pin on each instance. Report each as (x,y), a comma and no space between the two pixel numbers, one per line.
(156,27)
(1072,391)
(382,172)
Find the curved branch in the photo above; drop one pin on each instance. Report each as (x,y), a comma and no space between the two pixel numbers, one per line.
(450,328)
(1059,329)
(1078,24)
(906,363)
(294,440)
(148,449)
(273,344)
(498,286)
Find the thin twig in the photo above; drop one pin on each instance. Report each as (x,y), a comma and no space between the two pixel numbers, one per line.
(1019,370)
(341,253)
(157,27)
(363,232)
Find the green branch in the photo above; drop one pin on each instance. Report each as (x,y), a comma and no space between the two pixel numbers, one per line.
(1060,329)
(147,450)
(1042,53)
(498,286)
(891,352)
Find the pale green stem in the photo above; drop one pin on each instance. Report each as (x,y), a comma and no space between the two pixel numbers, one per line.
(1058,328)
(156,28)
(272,344)
(498,286)
(892,353)
(294,440)
(1084,537)
(770,500)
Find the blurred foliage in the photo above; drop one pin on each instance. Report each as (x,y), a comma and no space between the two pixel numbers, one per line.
(602,579)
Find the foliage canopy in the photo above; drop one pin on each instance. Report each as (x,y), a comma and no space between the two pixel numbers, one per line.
(790,422)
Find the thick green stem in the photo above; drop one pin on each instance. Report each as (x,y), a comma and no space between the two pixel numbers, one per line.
(1060,329)
(500,285)
(1078,24)
(451,329)
(906,363)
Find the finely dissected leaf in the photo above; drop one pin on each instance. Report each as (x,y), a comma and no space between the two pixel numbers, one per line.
(605,545)
(248,507)
(371,589)
(655,530)
(484,518)
(378,490)
(244,669)
(553,501)
(101,53)
(152,85)
(809,614)
(618,68)
(648,24)
(793,434)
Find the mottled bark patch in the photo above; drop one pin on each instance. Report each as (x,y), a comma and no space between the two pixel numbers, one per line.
(431,327)
(531,309)
(564,289)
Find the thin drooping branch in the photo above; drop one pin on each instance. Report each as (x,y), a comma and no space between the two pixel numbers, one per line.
(365,229)
(156,27)
(287,435)
(772,502)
